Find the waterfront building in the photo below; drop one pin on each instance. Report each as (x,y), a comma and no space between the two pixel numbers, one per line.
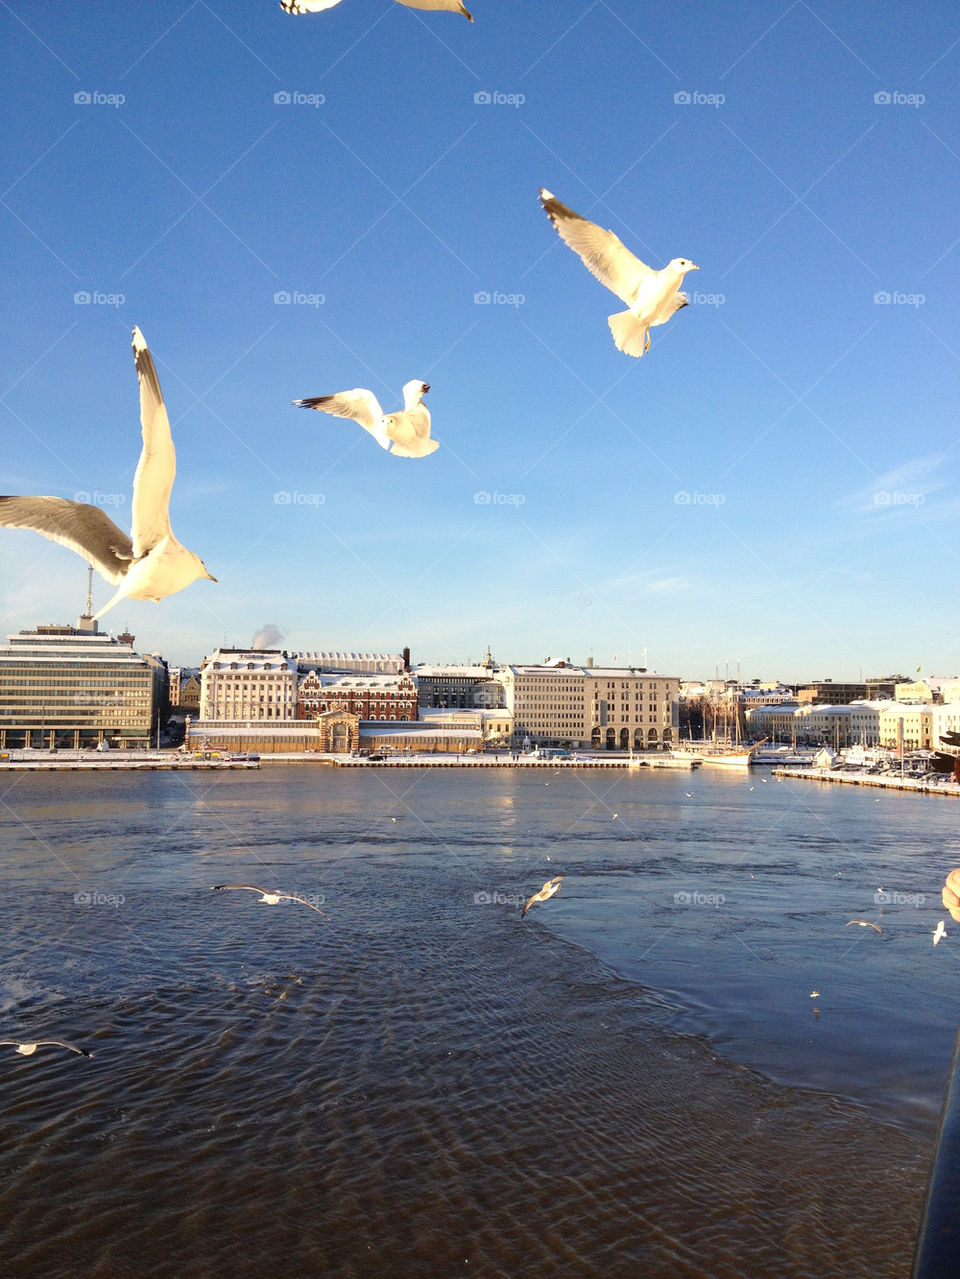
(777,723)
(369,697)
(934,689)
(547,704)
(241,684)
(454,687)
(184,690)
(632,709)
(828,693)
(906,724)
(65,686)
(609,708)
(330,662)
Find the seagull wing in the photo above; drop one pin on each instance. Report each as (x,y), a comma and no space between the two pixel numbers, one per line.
(602,253)
(86,529)
(292,897)
(61,1043)
(359,404)
(450,6)
(252,887)
(153,481)
(307,6)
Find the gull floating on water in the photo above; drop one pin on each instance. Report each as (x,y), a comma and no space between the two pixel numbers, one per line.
(150,564)
(27,1050)
(408,430)
(864,923)
(939,932)
(271,897)
(318,6)
(651,296)
(546,892)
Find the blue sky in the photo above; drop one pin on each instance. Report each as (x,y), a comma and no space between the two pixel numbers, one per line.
(773,485)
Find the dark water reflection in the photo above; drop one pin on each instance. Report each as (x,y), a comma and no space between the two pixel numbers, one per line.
(625,1084)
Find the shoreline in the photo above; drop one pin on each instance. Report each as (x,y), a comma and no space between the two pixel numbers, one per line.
(865,779)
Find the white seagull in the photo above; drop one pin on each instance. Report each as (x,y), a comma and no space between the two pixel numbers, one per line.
(318,6)
(939,932)
(270,897)
(546,892)
(408,430)
(652,296)
(864,923)
(150,564)
(27,1050)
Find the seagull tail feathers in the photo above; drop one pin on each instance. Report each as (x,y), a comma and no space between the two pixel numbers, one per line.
(630,334)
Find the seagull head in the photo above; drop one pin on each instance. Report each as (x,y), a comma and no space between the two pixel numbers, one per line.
(682,266)
(413,392)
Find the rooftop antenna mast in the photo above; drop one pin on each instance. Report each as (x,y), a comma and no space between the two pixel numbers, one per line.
(89,610)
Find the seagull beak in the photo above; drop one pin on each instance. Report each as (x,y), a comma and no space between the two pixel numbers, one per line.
(694,267)
(210,577)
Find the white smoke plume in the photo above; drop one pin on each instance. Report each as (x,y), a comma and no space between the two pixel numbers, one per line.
(269,636)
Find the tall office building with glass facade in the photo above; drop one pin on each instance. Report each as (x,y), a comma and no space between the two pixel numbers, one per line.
(61,686)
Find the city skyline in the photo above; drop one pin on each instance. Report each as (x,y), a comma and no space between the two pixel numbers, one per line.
(773,484)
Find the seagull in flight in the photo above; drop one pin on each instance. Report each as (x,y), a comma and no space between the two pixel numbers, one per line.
(318,6)
(939,932)
(408,430)
(150,564)
(651,296)
(546,892)
(27,1050)
(864,923)
(270,897)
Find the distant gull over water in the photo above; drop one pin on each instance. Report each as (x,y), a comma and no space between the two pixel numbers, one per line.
(28,1049)
(408,430)
(150,564)
(271,897)
(318,6)
(939,932)
(546,892)
(652,296)
(864,923)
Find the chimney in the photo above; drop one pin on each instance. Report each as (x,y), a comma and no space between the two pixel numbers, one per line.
(406,657)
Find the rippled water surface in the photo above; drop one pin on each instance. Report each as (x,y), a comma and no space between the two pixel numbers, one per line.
(634,1081)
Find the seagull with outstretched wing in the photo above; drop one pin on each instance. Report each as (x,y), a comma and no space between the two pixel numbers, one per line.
(150,564)
(318,6)
(271,896)
(651,296)
(406,433)
(28,1049)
